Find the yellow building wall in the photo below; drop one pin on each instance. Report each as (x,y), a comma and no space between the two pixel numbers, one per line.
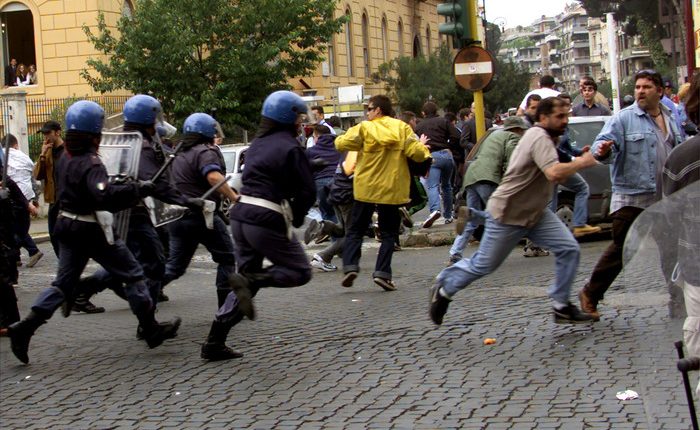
(61,45)
(416,16)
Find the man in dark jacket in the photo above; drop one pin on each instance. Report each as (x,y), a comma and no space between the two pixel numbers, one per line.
(442,133)
(324,159)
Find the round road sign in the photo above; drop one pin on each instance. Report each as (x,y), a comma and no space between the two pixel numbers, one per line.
(473,68)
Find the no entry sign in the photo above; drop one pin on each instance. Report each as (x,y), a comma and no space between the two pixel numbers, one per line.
(473,68)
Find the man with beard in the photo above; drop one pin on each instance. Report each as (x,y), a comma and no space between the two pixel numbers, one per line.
(639,139)
(518,208)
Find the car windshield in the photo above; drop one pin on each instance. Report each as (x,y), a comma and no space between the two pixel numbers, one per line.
(584,133)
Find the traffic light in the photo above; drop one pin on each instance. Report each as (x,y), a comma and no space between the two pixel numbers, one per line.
(457,21)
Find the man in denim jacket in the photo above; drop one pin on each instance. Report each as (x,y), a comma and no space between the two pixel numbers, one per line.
(636,141)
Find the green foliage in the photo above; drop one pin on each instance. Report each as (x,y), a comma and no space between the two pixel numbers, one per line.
(413,81)
(212,55)
(509,86)
(520,42)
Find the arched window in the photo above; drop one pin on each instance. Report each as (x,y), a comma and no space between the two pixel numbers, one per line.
(365,44)
(417,51)
(399,34)
(428,45)
(128,9)
(385,41)
(17,38)
(348,43)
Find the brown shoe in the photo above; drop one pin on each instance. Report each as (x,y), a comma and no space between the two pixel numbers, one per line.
(585,230)
(588,305)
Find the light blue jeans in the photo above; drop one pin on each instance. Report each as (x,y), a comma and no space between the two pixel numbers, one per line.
(578,185)
(440,177)
(497,243)
(477,196)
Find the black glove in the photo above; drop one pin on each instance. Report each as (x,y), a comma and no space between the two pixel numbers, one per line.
(195,203)
(146,188)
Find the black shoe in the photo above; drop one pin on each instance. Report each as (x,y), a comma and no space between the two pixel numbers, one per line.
(438,304)
(218,352)
(162,332)
(571,314)
(241,287)
(162,297)
(21,333)
(348,279)
(87,307)
(386,284)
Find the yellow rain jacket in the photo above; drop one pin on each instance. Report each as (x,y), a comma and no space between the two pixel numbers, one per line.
(383,145)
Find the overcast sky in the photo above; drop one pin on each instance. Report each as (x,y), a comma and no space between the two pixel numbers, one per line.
(522,12)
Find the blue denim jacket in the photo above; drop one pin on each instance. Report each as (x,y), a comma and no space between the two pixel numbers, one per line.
(634,152)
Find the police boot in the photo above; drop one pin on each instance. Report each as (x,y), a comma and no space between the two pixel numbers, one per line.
(215,349)
(155,333)
(20,334)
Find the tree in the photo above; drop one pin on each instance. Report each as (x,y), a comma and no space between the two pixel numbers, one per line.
(212,55)
(510,84)
(413,81)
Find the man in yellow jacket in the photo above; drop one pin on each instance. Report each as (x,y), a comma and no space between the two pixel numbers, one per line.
(382,179)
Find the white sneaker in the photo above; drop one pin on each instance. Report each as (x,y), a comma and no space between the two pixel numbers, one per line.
(318,263)
(431,219)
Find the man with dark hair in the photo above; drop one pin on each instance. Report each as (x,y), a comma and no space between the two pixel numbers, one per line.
(518,208)
(546,89)
(530,111)
(381,181)
(599,98)
(11,73)
(639,139)
(45,171)
(589,107)
(443,137)
(321,118)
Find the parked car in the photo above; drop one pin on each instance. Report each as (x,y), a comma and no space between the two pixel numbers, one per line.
(582,132)
(234,158)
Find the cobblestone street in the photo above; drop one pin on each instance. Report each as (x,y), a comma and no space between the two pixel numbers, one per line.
(321,356)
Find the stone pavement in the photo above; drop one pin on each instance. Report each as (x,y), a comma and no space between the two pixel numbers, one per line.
(322,356)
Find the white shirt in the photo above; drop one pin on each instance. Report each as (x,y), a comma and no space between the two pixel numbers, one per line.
(543,92)
(19,168)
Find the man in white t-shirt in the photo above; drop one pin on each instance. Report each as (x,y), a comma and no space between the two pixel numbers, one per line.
(545,90)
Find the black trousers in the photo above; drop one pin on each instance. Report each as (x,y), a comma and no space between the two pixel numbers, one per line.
(360,217)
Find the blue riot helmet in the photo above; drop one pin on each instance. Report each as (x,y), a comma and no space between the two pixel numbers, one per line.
(283,107)
(143,109)
(85,116)
(203,124)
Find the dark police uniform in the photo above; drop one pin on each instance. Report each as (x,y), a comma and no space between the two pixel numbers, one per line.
(83,188)
(142,238)
(11,200)
(276,169)
(189,176)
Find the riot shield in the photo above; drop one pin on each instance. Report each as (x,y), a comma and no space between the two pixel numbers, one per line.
(660,257)
(120,153)
(163,213)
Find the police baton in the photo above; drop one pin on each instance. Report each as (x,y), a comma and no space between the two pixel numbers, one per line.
(210,206)
(168,160)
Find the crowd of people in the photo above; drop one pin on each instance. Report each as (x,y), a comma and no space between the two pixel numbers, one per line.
(384,167)
(20,75)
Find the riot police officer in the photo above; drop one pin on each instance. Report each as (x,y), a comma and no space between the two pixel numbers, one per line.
(200,167)
(83,232)
(141,113)
(278,190)
(11,201)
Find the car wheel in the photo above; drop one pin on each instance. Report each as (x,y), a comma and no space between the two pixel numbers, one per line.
(565,212)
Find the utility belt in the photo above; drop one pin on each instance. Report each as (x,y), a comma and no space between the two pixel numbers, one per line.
(283,208)
(104,218)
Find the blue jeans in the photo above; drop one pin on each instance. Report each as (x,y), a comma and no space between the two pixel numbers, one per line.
(498,242)
(578,185)
(327,212)
(440,177)
(477,196)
